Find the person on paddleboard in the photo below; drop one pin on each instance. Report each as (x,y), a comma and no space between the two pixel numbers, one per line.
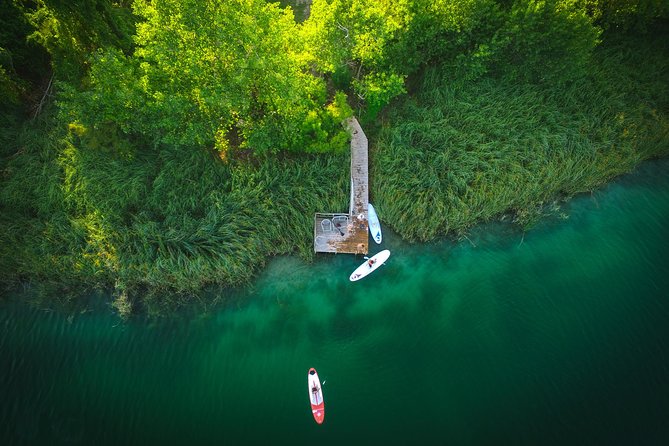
(371,262)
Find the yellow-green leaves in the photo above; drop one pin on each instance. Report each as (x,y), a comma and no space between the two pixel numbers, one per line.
(203,68)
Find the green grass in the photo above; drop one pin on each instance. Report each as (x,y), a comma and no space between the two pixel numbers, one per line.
(168,220)
(458,153)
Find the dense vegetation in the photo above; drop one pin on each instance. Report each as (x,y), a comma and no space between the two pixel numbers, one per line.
(167,145)
(475,150)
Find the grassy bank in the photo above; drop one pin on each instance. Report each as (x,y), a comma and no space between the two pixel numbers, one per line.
(457,153)
(105,211)
(154,219)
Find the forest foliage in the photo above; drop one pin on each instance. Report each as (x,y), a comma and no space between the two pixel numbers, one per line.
(154,145)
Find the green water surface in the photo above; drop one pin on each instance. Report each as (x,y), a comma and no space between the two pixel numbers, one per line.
(555,336)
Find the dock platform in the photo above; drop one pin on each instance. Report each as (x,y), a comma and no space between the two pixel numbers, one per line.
(347,233)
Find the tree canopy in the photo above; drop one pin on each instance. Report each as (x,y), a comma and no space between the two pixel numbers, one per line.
(217,74)
(244,74)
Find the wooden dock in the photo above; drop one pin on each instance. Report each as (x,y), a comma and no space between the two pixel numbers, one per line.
(341,232)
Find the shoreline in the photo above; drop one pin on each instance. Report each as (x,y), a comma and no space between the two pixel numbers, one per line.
(500,232)
(86,212)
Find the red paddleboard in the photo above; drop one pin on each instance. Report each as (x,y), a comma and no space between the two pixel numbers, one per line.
(316,396)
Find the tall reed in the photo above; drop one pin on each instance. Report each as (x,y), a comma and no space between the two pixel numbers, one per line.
(458,153)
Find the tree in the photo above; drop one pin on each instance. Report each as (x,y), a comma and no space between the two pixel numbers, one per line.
(382,43)
(218,73)
(626,15)
(71,29)
(545,41)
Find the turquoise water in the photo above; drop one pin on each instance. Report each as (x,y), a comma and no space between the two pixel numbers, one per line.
(555,336)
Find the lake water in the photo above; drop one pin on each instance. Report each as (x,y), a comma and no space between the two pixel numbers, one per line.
(556,336)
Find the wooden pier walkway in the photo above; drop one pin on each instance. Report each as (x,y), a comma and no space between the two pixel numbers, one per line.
(341,232)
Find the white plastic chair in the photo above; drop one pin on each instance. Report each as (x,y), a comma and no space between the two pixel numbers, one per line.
(326,225)
(340,221)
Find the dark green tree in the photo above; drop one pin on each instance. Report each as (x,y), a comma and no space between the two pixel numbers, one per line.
(545,41)
(627,15)
(70,30)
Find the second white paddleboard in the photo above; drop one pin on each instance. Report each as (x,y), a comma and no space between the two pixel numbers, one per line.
(374,224)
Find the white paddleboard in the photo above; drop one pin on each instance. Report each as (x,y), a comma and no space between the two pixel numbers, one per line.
(374,224)
(370,265)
